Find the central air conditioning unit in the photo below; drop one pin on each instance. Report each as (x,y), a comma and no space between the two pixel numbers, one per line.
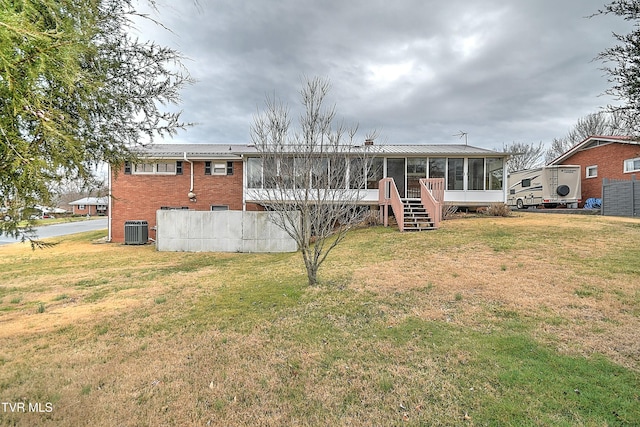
(136,232)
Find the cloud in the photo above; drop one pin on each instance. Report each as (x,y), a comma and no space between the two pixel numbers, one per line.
(419,71)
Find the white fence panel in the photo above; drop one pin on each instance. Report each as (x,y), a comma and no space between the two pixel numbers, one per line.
(220,231)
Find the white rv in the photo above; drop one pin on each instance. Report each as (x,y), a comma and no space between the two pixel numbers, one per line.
(549,186)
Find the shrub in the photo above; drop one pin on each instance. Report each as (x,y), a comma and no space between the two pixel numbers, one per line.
(498,209)
(370,219)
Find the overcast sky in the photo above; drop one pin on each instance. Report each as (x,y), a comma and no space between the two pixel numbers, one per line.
(418,71)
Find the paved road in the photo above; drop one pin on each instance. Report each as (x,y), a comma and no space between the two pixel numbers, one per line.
(62,229)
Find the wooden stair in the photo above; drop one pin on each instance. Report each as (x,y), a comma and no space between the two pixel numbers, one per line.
(416,217)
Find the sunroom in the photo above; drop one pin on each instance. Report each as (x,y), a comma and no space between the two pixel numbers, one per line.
(472,176)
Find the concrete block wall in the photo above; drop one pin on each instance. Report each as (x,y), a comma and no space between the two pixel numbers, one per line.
(220,231)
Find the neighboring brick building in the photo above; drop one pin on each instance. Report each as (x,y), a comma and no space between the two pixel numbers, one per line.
(612,157)
(90,206)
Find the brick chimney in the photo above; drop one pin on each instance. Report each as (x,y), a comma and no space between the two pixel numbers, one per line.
(368,141)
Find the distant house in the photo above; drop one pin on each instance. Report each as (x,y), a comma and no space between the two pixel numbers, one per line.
(211,177)
(47,211)
(90,206)
(611,157)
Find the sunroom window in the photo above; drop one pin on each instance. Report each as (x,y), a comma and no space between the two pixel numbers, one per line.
(455,174)
(476,174)
(375,173)
(494,174)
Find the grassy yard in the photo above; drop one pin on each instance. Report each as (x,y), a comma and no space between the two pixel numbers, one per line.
(532,320)
(61,220)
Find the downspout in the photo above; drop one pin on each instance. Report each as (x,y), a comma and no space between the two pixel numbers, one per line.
(191,194)
(109,205)
(244,183)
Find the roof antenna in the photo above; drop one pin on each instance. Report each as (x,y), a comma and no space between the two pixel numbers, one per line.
(461,134)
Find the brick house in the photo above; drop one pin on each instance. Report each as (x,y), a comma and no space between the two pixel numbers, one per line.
(176,176)
(612,157)
(208,177)
(90,206)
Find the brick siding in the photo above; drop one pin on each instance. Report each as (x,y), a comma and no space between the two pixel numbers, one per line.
(610,161)
(139,196)
(88,209)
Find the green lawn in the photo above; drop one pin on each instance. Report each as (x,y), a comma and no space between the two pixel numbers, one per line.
(64,219)
(530,320)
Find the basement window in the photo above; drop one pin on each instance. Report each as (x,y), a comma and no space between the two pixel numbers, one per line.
(219,207)
(591,171)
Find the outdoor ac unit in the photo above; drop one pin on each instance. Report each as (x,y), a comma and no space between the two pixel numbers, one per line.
(136,232)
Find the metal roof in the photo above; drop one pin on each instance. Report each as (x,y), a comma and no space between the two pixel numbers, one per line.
(91,201)
(437,149)
(590,141)
(233,151)
(237,151)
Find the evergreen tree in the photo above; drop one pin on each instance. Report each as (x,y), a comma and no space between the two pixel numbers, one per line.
(75,89)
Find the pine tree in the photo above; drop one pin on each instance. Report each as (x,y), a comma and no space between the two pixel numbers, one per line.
(75,89)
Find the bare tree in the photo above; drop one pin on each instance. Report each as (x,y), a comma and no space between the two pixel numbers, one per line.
(69,189)
(312,177)
(595,124)
(557,148)
(523,155)
(622,64)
